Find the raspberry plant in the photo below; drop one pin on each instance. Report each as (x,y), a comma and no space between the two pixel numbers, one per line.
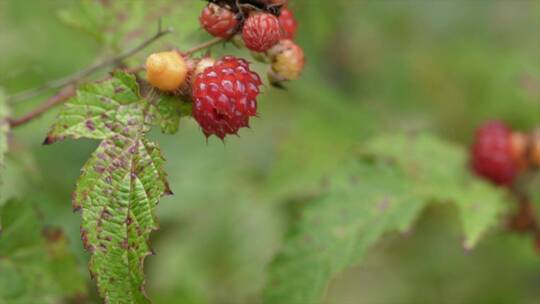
(124,179)
(335,199)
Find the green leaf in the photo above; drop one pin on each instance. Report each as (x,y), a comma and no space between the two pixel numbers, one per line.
(167,112)
(383,189)
(104,109)
(35,263)
(335,231)
(440,171)
(480,207)
(101,110)
(90,17)
(4,127)
(118,191)
(121,183)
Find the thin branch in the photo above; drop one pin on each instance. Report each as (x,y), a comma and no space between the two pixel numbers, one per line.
(187,53)
(66,93)
(203,46)
(62,82)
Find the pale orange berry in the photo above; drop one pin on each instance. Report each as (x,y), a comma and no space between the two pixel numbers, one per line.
(518,147)
(166,71)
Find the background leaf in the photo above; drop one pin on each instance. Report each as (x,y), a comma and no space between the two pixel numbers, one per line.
(35,263)
(383,191)
(440,171)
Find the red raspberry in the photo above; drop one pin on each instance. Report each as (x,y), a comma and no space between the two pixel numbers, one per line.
(261,31)
(218,21)
(288,24)
(225,96)
(492,155)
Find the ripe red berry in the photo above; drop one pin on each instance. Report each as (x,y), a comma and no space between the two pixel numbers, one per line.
(492,155)
(218,21)
(225,96)
(261,31)
(288,24)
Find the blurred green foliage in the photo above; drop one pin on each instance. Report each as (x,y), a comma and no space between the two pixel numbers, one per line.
(35,264)
(372,66)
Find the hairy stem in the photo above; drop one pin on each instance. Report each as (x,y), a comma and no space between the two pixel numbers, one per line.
(66,93)
(202,46)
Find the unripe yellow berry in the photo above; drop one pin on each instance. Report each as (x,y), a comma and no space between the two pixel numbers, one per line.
(287,60)
(166,70)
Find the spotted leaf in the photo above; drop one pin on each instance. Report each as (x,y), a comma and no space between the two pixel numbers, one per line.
(117,192)
(101,110)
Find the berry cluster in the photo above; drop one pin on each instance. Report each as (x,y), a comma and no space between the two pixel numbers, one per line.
(224,92)
(266,27)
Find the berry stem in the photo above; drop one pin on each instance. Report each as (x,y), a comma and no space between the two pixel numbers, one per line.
(202,46)
(66,93)
(525,219)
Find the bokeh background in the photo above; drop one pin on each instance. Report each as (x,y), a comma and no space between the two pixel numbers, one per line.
(372,66)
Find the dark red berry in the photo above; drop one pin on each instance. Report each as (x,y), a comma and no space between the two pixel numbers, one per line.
(261,31)
(288,24)
(225,96)
(218,21)
(492,153)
